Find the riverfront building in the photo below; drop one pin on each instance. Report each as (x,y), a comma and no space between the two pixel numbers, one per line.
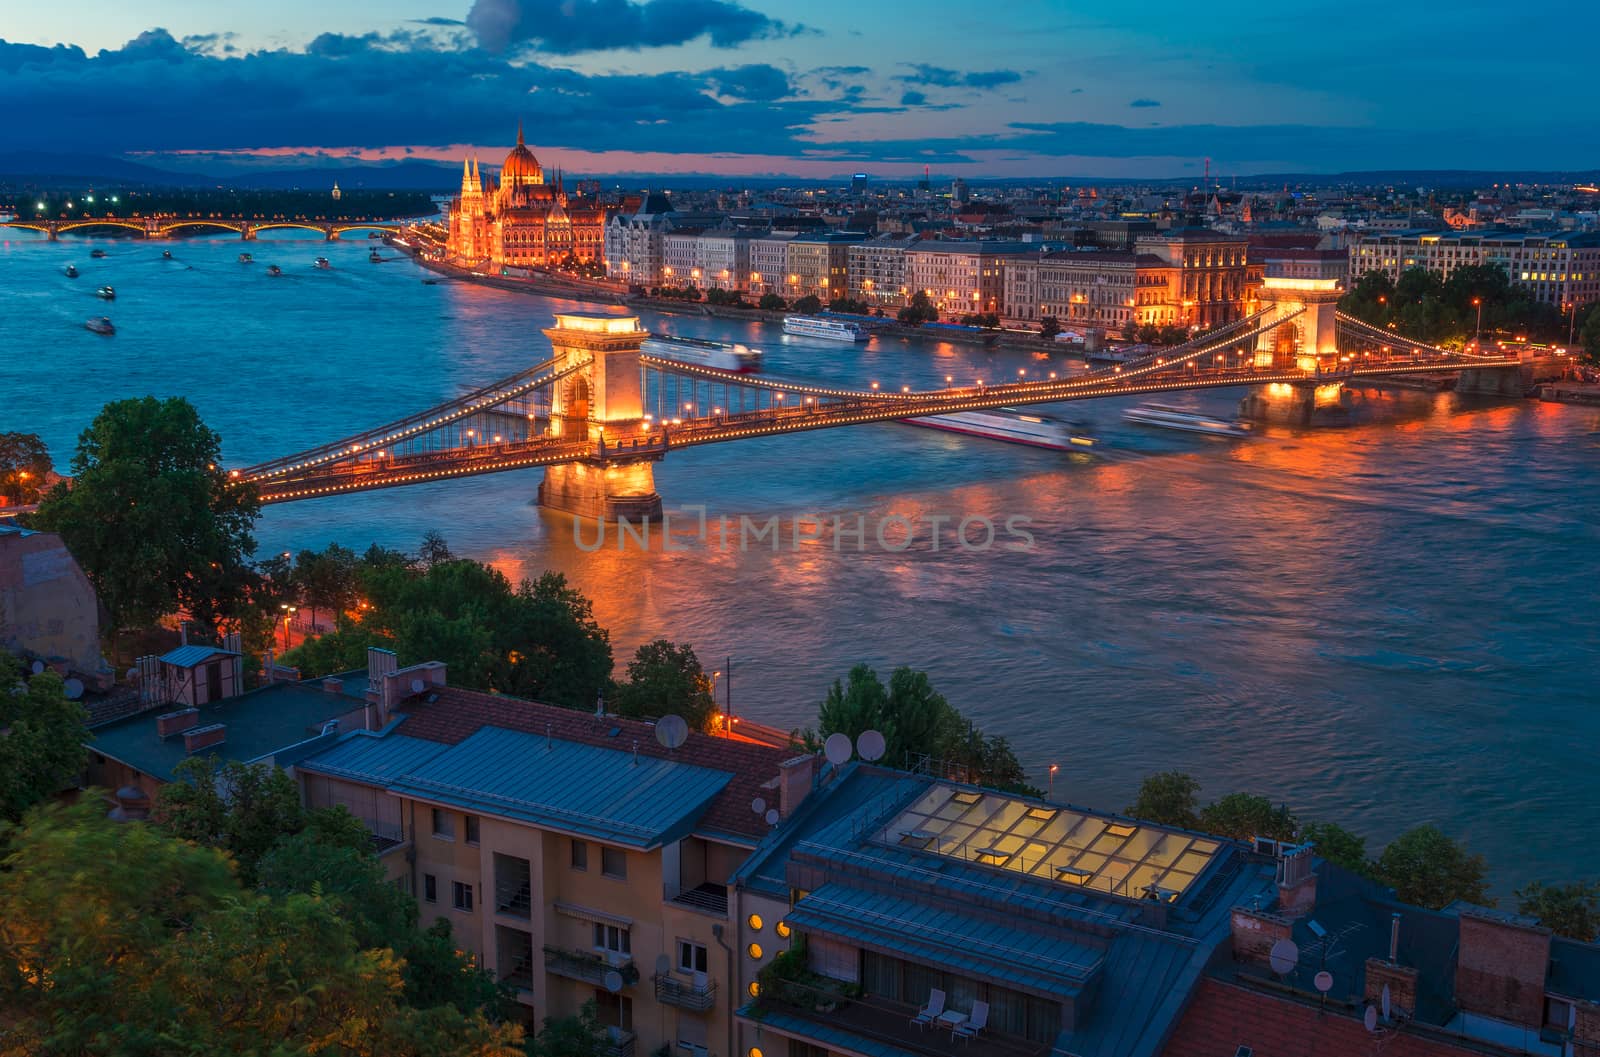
(1555,269)
(518,220)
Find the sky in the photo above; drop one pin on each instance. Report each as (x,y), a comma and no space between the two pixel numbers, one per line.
(1045,88)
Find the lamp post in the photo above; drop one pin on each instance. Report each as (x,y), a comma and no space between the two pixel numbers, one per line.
(288,615)
(1054,767)
(1572,321)
(1477,337)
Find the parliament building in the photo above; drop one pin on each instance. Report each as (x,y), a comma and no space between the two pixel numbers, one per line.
(518,220)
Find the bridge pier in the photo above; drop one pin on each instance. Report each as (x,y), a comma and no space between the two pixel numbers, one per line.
(1297,404)
(602,491)
(1491,381)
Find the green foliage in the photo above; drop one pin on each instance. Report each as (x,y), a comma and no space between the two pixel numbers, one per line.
(119,939)
(808,304)
(1571,910)
(24,464)
(537,640)
(1338,845)
(1427,868)
(666,678)
(919,311)
(327,579)
(1167,799)
(240,808)
(41,738)
(1049,327)
(155,522)
(1243,816)
(772,303)
(676,293)
(915,721)
(849,305)
(577,1036)
(987,320)
(1589,335)
(1425,306)
(731,298)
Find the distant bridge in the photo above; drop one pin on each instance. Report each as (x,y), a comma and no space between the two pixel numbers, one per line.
(165,226)
(599,413)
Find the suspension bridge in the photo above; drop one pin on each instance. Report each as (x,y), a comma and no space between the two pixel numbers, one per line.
(599,412)
(165,226)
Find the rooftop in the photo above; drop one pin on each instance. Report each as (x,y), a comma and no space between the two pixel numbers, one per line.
(189,656)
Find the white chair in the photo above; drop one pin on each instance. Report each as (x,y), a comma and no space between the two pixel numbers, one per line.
(973,1024)
(699,983)
(930,1012)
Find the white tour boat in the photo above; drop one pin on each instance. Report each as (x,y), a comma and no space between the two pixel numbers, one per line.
(1010,424)
(823,327)
(721,355)
(1167,417)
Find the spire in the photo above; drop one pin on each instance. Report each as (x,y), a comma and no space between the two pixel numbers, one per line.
(466,175)
(477,181)
(520,142)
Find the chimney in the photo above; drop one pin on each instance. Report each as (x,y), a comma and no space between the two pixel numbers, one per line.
(1297,882)
(204,737)
(795,779)
(170,723)
(1501,965)
(269,665)
(132,805)
(332,684)
(1254,933)
(1401,980)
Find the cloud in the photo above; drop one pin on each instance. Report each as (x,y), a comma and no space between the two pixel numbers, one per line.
(913,99)
(1142,103)
(944,77)
(756,81)
(567,27)
(437,20)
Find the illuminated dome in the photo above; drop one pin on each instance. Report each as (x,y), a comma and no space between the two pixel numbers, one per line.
(521,168)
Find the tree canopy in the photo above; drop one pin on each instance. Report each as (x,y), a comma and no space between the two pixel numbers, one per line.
(1427,868)
(24,467)
(153,519)
(1425,306)
(666,678)
(1571,910)
(1167,799)
(42,734)
(920,310)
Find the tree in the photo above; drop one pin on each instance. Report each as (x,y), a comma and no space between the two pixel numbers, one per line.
(240,808)
(1427,868)
(665,678)
(1571,910)
(772,303)
(155,522)
(1049,327)
(577,1036)
(808,304)
(919,311)
(1167,799)
(24,467)
(1338,845)
(42,735)
(1589,336)
(327,579)
(1243,816)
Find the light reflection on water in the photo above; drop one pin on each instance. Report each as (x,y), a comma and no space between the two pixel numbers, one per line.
(1379,624)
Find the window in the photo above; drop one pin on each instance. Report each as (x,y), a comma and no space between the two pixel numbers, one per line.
(613,862)
(615,1011)
(472,829)
(444,826)
(691,957)
(612,938)
(461,895)
(580,855)
(430,888)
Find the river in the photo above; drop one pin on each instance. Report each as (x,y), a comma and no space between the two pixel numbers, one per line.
(1379,625)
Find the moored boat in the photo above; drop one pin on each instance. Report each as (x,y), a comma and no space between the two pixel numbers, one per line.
(721,355)
(105,293)
(1014,425)
(100,325)
(322,262)
(166,255)
(823,327)
(245,258)
(273,269)
(1166,416)
(97,254)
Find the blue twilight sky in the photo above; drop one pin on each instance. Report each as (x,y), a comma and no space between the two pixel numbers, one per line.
(1063,88)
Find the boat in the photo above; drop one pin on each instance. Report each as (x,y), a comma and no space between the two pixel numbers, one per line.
(105,293)
(97,254)
(1123,354)
(273,269)
(823,327)
(374,235)
(322,262)
(721,355)
(374,256)
(100,325)
(1015,425)
(245,258)
(1166,416)
(72,271)
(166,255)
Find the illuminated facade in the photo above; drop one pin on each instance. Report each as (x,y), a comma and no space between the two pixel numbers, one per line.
(1553,269)
(1206,273)
(961,277)
(519,220)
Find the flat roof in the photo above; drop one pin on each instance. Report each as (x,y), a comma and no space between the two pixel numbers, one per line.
(1049,842)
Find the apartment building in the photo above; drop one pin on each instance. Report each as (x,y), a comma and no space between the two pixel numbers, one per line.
(769,262)
(819,265)
(1086,288)
(634,243)
(1555,269)
(1206,273)
(962,277)
(575,855)
(877,270)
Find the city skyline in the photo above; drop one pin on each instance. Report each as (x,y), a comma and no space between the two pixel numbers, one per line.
(729,88)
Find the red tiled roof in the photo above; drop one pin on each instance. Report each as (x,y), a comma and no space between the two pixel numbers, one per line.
(1222,1017)
(458,714)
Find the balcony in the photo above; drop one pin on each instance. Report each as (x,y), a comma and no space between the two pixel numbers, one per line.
(706,898)
(513,892)
(618,1043)
(587,966)
(791,1007)
(671,990)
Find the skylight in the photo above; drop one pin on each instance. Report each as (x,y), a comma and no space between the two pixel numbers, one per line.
(1052,843)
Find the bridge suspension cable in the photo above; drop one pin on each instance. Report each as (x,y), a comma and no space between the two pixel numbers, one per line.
(1361,328)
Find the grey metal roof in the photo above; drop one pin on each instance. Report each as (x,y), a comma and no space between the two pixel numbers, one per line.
(189,656)
(373,758)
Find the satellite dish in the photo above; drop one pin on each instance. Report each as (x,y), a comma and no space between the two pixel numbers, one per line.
(612,981)
(1284,957)
(759,806)
(73,689)
(672,731)
(837,749)
(1370,1018)
(870,745)
(772,816)
(417,686)
(133,675)
(1324,981)
(37,667)
(663,965)
(1386,1001)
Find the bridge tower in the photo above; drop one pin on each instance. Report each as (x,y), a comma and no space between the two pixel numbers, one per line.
(1306,339)
(598,402)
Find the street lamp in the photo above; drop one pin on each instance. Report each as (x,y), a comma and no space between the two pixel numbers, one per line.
(1054,767)
(288,615)
(1477,337)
